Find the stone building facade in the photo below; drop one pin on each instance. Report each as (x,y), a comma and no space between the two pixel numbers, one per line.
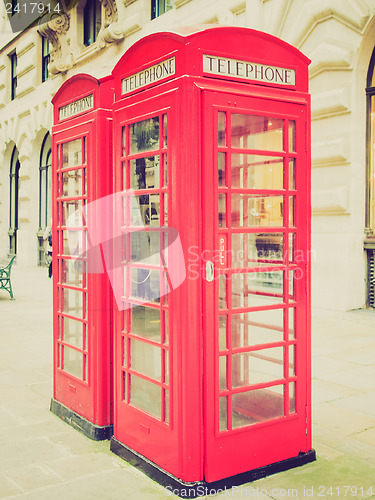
(337,35)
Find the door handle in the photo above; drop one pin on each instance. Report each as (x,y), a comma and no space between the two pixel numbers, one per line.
(209,271)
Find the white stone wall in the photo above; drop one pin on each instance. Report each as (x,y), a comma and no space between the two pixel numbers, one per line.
(337,35)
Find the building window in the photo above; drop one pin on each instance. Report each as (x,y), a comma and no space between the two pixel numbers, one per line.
(159,7)
(92,21)
(13,201)
(45,58)
(13,75)
(45,194)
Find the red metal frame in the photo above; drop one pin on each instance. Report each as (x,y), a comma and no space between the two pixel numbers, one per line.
(86,391)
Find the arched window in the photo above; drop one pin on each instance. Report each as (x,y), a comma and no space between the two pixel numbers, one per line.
(45,194)
(92,21)
(13,201)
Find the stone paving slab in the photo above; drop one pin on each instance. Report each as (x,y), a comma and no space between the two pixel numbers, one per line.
(42,458)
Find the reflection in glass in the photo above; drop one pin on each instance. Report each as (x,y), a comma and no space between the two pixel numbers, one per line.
(291,239)
(165,127)
(222,210)
(222,372)
(145,359)
(72,302)
(257,132)
(222,291)
(145,284)
(257,249)
(292,277)
(292,170)
(292,360)
(166,365)
(291,210)
(145,395)
(257,172)
(257,367)
(71,272)
(258,327)
(166,328)
(123,141)
(257,210)
(222,332)
(145,247)
(73,361)
(292,136)
(72,331)
(257,289)
(292,334)
(144,173)
(223,413)
(71,183)
(165,169)
(144,135)
(292,397)
(255,406)
(73,243)
(145,322)
(145,210)
(222,128)
(72,153)
(221,169)
(72,213)
(124,351)
(166,405)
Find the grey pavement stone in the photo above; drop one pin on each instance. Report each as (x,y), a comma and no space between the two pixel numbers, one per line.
(41,457)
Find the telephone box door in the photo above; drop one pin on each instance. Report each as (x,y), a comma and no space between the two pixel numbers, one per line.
(143,342)
(256,235)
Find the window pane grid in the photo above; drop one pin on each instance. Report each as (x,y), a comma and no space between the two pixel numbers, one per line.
(271,255)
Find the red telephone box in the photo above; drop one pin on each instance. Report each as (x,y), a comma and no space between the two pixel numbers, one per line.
(211,138)
(82,174)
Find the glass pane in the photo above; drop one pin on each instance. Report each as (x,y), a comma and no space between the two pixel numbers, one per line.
(255,406)
(291,323)
(165,222)
(145,322)
(222,120)
(292,136)
(257,210)
(223,405)
(71,183)
(144,173)
(72,302)
(222,332)
(257,367)
(165,169)
(166,406)
(145,359)
(165,127)
(72,153)
(292,397)
(291,239)
(222,210)
(257,249)
(124,376)
(72,213)
(166,365)
(145,247)
(71,272)
(292,170)
(257,132)
(292,360)
(166,328)
(221,169)
(371,178)
(73,243)
(257,289)
(258,327)
(73,362)
(222,372)
(222,291)
(292,277)
(145,210)
(291,210)
(123,141)
(257,172)
(144,135)
(72,331)
(145,395)
(145,284)
(124,351)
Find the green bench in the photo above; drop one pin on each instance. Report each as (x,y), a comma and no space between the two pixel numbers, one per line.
(5,268)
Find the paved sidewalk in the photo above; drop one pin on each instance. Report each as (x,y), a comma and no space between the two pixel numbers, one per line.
(43,458)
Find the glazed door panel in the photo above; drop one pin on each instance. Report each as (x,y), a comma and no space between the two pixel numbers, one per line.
(255,322)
